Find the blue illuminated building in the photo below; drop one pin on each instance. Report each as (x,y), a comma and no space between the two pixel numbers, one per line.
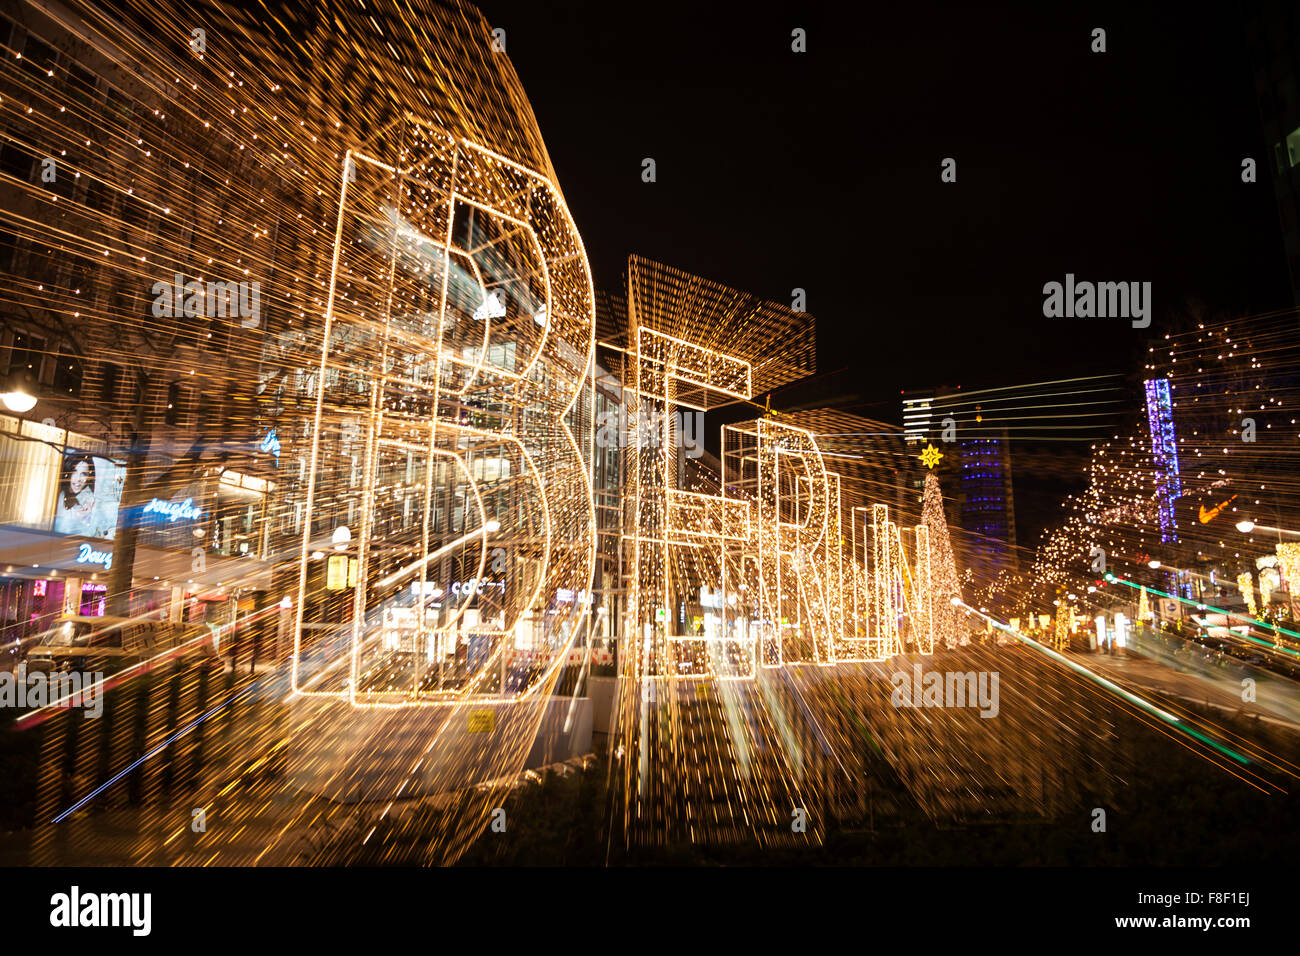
(987,506)
(1164,449)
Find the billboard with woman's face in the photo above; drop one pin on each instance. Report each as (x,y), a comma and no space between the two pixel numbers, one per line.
(90,491)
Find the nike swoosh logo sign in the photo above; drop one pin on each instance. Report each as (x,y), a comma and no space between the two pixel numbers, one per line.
(1208,516)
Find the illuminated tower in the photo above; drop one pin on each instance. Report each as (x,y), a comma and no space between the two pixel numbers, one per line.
(1164,449)
(988,514)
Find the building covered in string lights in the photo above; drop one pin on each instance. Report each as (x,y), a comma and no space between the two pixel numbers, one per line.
(137,467)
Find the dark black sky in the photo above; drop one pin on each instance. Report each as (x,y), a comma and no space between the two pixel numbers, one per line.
(821,170)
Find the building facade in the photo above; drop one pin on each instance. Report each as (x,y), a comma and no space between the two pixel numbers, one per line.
(132,461)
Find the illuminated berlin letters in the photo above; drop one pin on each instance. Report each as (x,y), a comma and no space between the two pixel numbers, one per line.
(458,333)
(684,540)
(765,569)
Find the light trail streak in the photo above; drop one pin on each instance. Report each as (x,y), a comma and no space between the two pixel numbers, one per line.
(1201,605)
(35,717)
(1109,685)
(156,750)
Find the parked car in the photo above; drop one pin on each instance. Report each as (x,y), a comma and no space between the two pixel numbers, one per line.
(110,644)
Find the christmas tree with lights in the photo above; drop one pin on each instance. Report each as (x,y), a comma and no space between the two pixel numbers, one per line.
(949,621)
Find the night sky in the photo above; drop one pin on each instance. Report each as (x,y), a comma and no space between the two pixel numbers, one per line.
(822,170)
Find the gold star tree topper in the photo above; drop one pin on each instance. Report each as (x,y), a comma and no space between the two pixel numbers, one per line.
(930,456)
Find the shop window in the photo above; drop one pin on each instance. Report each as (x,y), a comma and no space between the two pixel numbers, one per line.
(110,377)
(97,195)
(180,405)
(16,161)
(83,86)
(236,521)
(8,251)
(49,367)
(65,180)
(38,57)
(68,374)
(172,412)
(208,413)
(137,389)
(26,353)
(135,212)
(217,336)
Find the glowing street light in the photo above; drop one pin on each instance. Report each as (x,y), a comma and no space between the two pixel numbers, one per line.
(1247,526)
(1153,564)
(17,399)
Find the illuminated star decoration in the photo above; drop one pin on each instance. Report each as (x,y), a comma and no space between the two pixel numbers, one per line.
(930,456)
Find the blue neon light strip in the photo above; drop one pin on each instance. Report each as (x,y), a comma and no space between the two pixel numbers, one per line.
(1164,449)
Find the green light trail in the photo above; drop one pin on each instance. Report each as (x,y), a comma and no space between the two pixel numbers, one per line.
(1114,688)
(1218,610)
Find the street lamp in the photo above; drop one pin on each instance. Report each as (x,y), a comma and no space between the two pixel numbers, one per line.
(1246,527)
(1153,564)
(18,389)
(18,399)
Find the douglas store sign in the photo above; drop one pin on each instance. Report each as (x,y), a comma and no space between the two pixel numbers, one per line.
(86,554)
(173,510)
